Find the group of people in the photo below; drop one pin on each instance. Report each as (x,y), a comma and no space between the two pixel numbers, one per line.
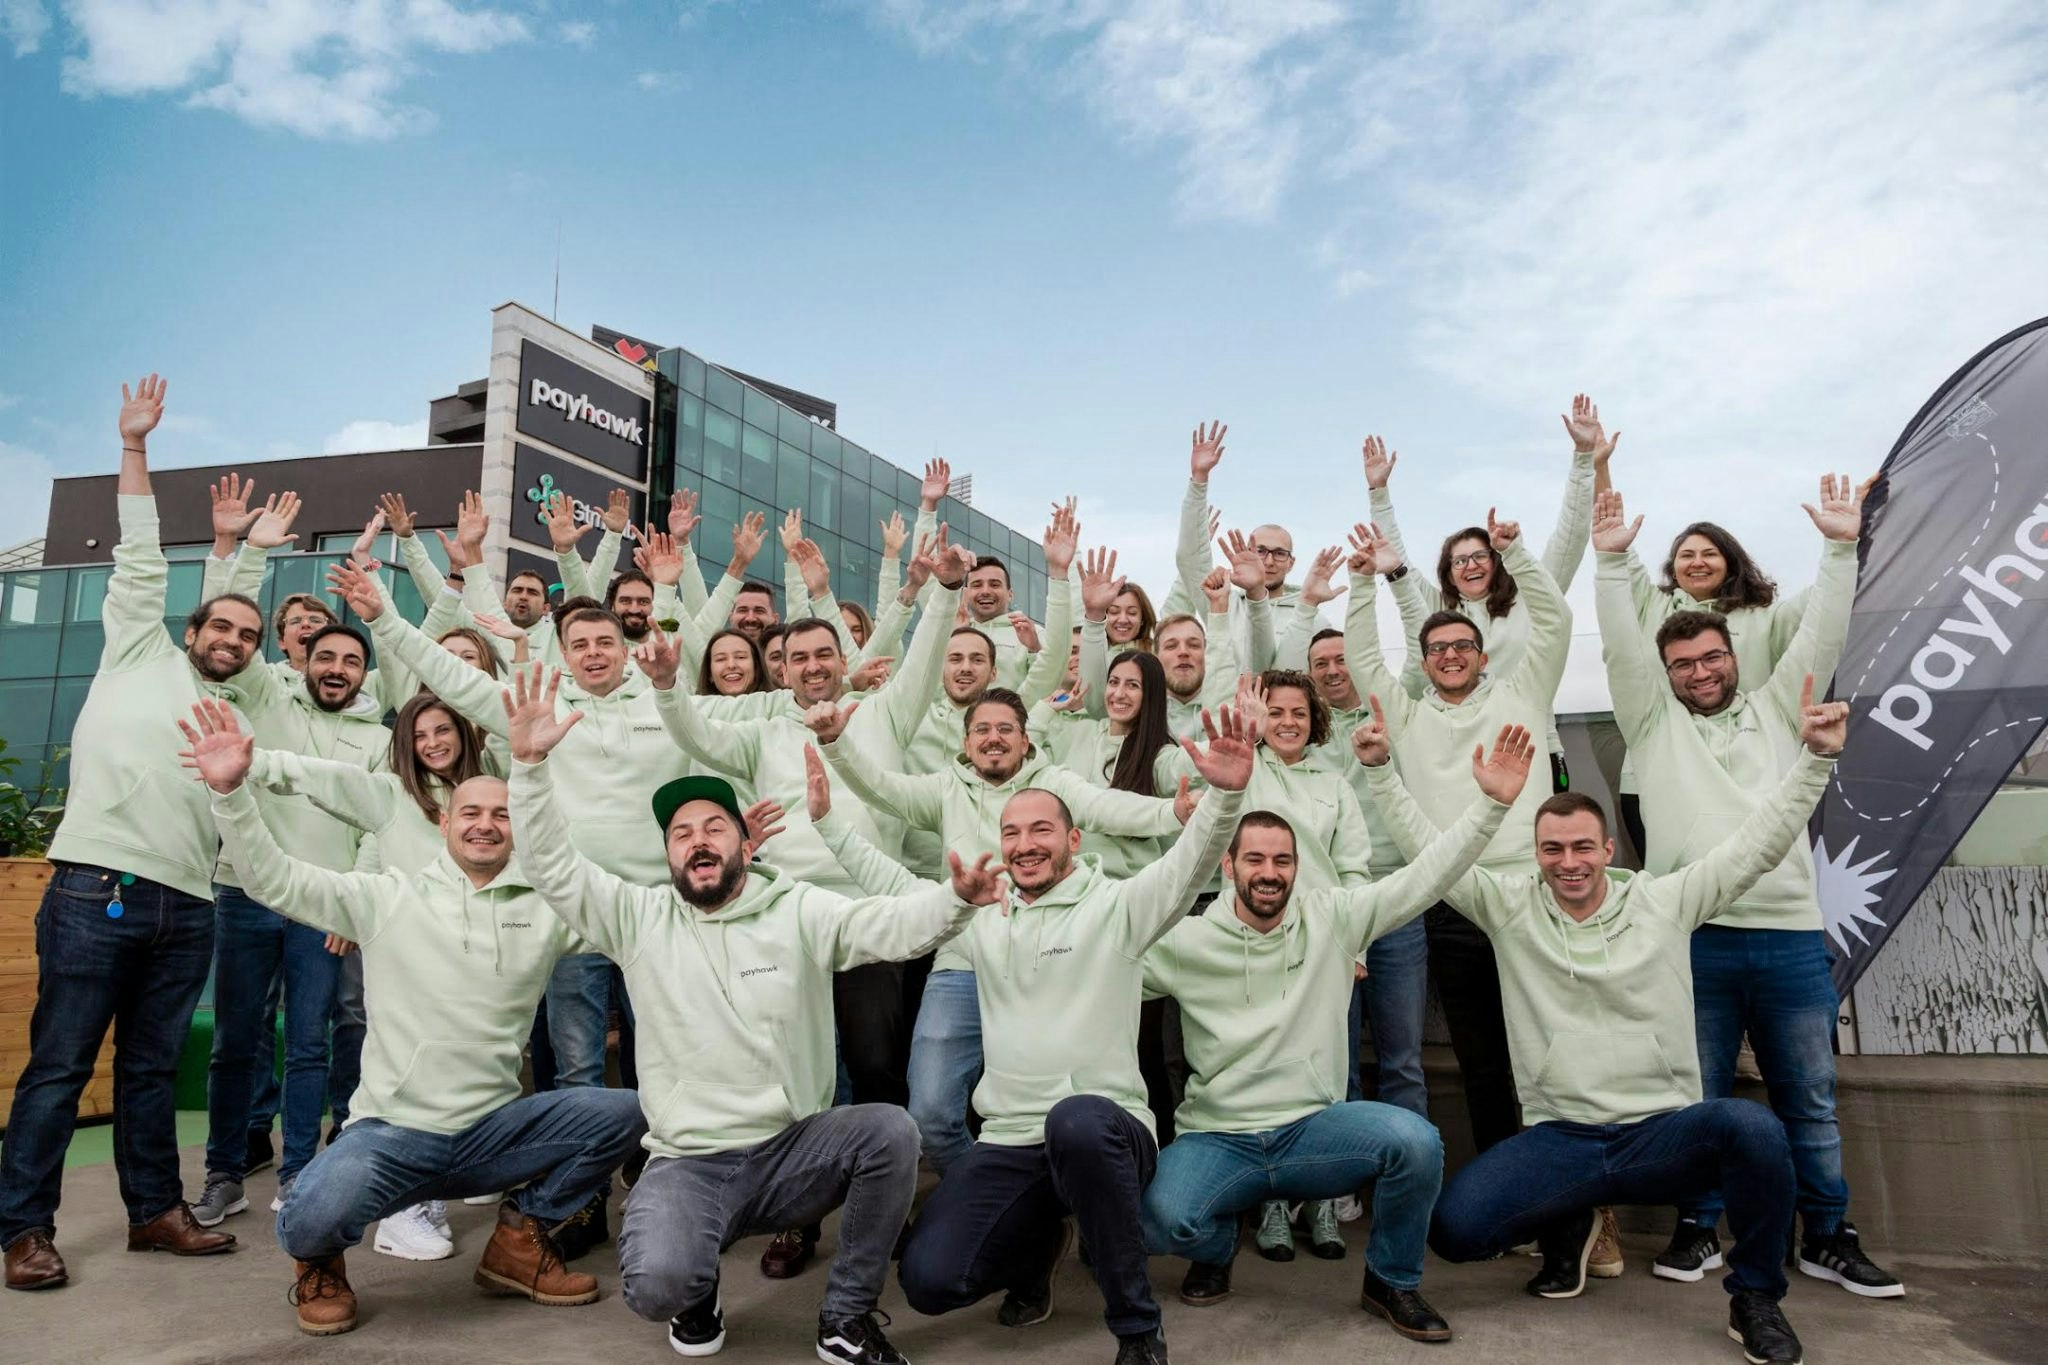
(1088,914)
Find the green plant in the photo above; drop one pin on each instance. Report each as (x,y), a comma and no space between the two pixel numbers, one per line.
(28,817)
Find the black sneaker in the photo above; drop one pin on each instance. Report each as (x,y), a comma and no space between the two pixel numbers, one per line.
(1404,1309)
(1695,1249)
(1840,1258)
(584,1229)
(1029,1307)
(1205,1284)
(698,1330)
(1755,1321)
(1566,1247)
(1145,1348)
(857,1341)
(262,1152)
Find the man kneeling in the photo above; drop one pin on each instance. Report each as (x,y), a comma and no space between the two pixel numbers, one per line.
(456,958)
(1264,977)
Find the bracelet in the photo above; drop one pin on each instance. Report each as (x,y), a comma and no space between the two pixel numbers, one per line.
(1396,574)
(136,450)
(1825,753)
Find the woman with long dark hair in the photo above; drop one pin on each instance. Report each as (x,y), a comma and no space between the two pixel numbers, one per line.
(1129,749)
(732,666)
(1707,569)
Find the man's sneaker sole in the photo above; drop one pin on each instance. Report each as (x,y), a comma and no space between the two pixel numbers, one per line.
(1894,1290)
(1684,1276)
(698,1349)
(388,1248)
(1067,1239)
(498,1284)
(1585,1255)
(239,1206)
(326,1329)
(1736,1337)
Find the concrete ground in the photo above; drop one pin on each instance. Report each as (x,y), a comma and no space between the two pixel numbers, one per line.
(156,1308)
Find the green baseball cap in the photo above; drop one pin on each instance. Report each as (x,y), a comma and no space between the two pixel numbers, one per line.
(673,796)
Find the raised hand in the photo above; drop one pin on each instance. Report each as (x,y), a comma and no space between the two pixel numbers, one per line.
(1369,742)
(1069,701)
(1379,463)
(748,535)
(142,409)
(472,524)
(216,746)
(894,536)
(1372,552)
(1207,450)
(356,588)
(563,528)
(1216,587)
(980,884)
(871,674)
(810,562)
(1320,585)
(500,627)
(956,562)
(682,516)
(530,713)
(1583,426)
(1251,696)
(363,552)
(1502,774)
(1099,583)
(659,658)
(1185,799)
(1061,539)
(1840,514)
(791,530)
(1245,569)
(231,515)
(1501,533)
(817,785)
(1823,725)
(938,479)
(658,556)
(618,511)
(827,721)
(1613,533)
(1027,631)
(392,505)
(923,564)
(273,527)
(1226,763)
(763,820)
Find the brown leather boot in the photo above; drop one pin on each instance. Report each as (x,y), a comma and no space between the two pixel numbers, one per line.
(175,1230)
(789,1252)
(522,1260)
(33,1262)
(327,1306)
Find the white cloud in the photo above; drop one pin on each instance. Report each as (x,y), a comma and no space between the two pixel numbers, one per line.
(314,69)
(24,24)
(578,34)
(374,434)
(656,80)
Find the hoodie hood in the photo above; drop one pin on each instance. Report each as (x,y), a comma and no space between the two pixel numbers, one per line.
(1271,958)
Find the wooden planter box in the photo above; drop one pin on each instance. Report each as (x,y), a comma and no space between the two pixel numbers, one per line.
(21,893)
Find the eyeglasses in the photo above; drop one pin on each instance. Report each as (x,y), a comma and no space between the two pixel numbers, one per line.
(1272,552)
(1438,648)
(1463,561)
(1713,658)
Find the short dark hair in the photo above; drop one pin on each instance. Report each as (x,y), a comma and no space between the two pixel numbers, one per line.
(1439,619)
(339,629)
(1258,819)
(1574,803)
(980,635)
(203,613)
(756,585)
(998,696)
(1274,679)
(990,562)
(1690,625)
(771,632)
(1326,633)
(577,615)
(535,574)
(804,625)
(560,611)
(611,593)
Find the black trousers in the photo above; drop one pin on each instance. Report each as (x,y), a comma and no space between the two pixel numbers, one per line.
(874,1032)
(1468,983)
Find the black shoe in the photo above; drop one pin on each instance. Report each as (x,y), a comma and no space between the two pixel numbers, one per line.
(636,1163)
(1566,1247)
(1145,1348)
(1029,1307)
(262,1152)
(1695,1249)
(698,1330)
(1404,1309)
(1840,1258)
(857,1341)
(584,1229)
(1767,1339)
(1205,1284)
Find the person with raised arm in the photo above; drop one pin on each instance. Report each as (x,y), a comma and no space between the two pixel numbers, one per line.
(1264,978)
(126,921)
(731,966)
(456,956)
(1259,587)
(1200,661)
(1596,970)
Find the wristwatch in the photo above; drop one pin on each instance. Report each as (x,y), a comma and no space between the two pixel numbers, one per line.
(1397,574)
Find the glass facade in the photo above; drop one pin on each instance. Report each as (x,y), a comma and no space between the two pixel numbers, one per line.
(742,451)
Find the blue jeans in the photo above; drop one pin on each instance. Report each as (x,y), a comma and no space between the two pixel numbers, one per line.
(265,1097)
(1206,1179)
(557,1149)
(1395,995)
(142,973)
(252,943)
(1524,1186)
(345,1072)
(997,1215)
(945,1061)
(579,1003)
(1774,985)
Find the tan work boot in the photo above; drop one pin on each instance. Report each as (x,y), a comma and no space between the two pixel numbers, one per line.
(522,1260)
(1605,1263)
(327,1306)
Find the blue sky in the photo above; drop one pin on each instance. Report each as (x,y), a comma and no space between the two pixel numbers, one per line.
(1045,239)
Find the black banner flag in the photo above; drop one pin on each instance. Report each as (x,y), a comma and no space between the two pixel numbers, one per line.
(1946,664)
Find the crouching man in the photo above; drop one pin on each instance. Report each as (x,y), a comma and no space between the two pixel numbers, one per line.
(730,969)
(1264,979)
(455,960)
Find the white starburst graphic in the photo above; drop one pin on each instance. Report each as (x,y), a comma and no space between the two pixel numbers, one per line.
(1846,891)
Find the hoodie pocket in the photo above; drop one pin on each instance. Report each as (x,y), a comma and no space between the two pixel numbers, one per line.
(462,1080)
(1288,1086)
(704,1109)
(1009,1094)
(1587,1075)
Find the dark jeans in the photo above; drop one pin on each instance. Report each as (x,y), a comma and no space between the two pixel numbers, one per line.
(1395,997)
(140,972)
(1468,983)
(345,1071)
(252,942)
(1774,985)
(874,1032)
(1553,1172)
(267,1095)
(996,1216)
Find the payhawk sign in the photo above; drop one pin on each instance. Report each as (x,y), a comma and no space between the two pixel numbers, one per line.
(582,412)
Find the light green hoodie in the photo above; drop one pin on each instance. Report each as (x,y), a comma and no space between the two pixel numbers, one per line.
(734,1007)
(375,803)
(1332,845)
(1433,739)
(1713,770)
(451,974)
(1264,1015)
(1251,624)
(1599,1014)
(1084,746)
(1060,979)
(133,807)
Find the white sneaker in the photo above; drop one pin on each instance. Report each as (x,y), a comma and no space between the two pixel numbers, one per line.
(410,1235)
(284,1192)
(1349,1209)
(437,1214)
(497,1198)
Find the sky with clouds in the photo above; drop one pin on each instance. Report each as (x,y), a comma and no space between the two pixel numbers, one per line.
(1045,237)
